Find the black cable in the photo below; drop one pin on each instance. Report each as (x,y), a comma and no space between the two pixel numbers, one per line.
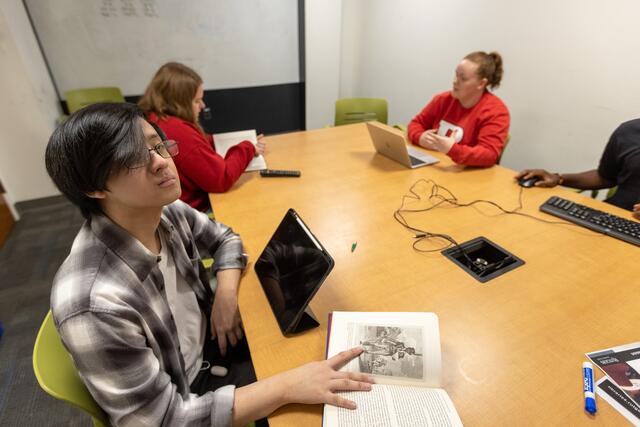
(437,199)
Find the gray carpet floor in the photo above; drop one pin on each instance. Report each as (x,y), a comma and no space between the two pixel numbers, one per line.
(29,259)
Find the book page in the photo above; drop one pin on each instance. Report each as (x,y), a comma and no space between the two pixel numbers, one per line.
(224,141)
(399,348)
(396,406)
(622,365)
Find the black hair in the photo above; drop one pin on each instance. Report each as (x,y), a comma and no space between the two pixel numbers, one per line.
(91,144)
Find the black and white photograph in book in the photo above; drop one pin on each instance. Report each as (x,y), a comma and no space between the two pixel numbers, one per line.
(392,351)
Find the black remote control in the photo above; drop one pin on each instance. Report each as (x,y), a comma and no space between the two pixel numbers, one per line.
(272,173)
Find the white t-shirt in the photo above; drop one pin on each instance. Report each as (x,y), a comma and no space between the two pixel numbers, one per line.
(189,320)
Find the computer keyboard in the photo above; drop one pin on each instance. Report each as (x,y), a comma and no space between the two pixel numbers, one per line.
(596,220)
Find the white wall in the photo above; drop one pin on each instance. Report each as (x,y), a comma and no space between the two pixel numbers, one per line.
(230,43)
(322,60)
(571,67)
(28,110)
(570,73)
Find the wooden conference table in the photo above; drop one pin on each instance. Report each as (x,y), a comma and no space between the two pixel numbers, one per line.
(512,348)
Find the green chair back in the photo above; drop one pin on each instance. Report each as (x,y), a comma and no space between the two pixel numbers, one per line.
(356,110)
(80,98)
(594,193)
(506,142)
(57,374)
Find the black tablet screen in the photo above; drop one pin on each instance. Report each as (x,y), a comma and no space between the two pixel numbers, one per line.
(291,269)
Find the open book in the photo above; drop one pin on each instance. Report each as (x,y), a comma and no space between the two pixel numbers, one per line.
(224,141)
(402,352)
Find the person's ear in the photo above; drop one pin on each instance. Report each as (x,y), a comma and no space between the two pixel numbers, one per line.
(98,194)
(483,83)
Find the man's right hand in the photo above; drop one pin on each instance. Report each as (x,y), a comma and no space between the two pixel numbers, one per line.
(546,179)
(318,382)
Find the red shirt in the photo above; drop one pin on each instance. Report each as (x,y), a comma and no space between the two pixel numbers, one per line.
(201,169)
(481,129)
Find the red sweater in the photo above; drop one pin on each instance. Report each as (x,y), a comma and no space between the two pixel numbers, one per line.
(201,169)
(481,129)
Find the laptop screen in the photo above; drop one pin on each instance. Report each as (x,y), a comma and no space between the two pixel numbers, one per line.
(291,268)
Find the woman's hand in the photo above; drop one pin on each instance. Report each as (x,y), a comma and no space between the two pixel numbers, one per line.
(432,141)
(261,146)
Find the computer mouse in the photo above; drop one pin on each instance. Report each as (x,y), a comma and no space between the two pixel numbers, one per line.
(529,182)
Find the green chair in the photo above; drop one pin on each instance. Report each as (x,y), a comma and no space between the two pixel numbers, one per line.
(594,193)
(57,374)
(356,110)
(80,98)
(506,142)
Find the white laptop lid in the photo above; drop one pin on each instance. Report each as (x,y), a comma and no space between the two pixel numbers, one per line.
(391,143)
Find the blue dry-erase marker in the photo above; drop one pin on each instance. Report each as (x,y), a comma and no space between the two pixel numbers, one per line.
(589,388)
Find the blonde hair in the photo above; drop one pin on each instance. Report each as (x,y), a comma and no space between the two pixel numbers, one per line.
(489,67)
(171,93)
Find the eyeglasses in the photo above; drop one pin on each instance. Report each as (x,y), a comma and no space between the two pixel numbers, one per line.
(165,149)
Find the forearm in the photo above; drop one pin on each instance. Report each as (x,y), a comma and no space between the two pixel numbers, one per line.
(228,280)
(589,180)
(477,156)
(414,130)
(259,399)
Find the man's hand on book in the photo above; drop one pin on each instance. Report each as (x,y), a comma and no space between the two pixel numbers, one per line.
(317,382)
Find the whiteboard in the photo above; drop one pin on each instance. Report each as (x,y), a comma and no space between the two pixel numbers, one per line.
(230,43)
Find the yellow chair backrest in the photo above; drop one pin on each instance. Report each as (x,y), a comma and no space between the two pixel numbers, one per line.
(80,98)
(57,374)
(356,110)
(506,142)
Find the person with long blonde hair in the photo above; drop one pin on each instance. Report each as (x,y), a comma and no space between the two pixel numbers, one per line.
(172,101)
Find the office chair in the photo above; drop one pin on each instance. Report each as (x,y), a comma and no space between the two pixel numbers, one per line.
(506,142)
(356,110)
(57,374)
(79,98)
(594,193)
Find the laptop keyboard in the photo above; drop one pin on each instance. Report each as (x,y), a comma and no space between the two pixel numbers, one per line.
(415,161)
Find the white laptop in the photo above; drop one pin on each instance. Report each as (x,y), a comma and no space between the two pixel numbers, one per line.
(391,143)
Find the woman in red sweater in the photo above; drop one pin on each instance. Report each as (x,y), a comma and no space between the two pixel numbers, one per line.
(173,101)
(468,123)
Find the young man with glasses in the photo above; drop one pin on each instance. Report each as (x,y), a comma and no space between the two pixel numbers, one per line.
(132,303)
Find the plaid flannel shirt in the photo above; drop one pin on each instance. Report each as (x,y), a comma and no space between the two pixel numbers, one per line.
(110,308)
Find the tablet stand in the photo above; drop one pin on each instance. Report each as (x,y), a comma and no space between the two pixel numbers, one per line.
(307,320)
